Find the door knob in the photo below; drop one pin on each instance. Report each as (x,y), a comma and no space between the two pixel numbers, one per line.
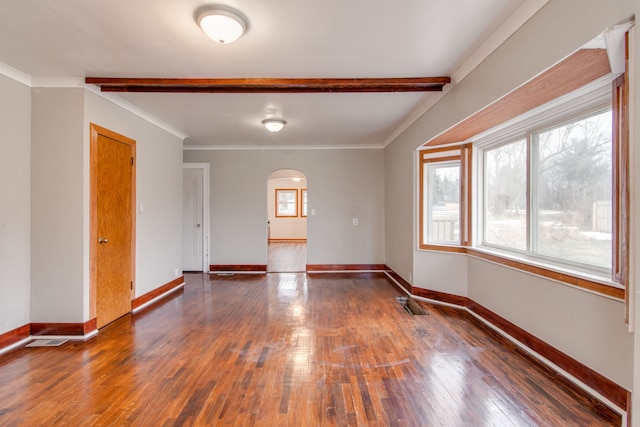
(102,240)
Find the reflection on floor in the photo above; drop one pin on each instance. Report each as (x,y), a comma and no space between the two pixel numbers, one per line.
(287,257)
(289,349)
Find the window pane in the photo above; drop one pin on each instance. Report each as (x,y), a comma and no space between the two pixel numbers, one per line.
(573,215)
(505,199)
(444,204)
(304,202)
(287,202)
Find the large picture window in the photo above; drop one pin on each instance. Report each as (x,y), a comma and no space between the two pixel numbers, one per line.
(563,210)
(550,181)
(572,179)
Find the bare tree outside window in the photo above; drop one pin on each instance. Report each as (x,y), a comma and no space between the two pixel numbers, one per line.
(505,199)
(573,210)
(569,193)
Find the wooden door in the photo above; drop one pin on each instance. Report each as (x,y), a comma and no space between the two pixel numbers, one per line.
(192,232)
(112,223)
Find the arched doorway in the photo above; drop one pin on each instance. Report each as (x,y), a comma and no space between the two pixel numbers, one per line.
(286,221)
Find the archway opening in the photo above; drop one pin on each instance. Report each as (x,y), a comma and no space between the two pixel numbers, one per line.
(286,221)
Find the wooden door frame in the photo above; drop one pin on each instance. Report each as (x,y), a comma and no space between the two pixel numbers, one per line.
(205,210)
(96,131)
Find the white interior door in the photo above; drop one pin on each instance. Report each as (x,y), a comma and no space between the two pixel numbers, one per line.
(193,226)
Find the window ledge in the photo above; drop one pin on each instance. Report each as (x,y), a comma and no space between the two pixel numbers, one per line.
(443,248)
(596,283)
(590,282)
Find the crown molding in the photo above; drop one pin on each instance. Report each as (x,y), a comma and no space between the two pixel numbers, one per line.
(506,30)
(14,74)
(78,82)
(122,103)
(279,147)
(57,82)
(510,26)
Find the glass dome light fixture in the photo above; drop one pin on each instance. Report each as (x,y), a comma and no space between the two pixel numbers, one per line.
(222,24)
(274,125)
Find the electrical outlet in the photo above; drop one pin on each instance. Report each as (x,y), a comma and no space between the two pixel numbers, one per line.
(177,272)
(355,221)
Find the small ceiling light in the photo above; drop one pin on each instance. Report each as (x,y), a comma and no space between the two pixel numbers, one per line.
(274,125)
(221,23)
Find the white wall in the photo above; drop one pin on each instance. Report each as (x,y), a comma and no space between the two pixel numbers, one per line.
(15,203)
(285,227)
(57,201)
(587,326)
(342,184)
(158,187)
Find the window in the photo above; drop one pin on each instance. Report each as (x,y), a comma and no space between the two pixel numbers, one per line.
(573,182)
(303,202)
(286,202)
(505,220)
(562,212)
(444,196)
(552,180)
(443,206)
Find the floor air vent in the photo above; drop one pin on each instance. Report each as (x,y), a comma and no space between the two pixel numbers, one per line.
(46,343)
(411,305)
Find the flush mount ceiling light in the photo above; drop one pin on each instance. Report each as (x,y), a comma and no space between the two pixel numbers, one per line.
(221,23)
(274,125)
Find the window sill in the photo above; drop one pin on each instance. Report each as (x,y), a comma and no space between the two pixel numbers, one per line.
(594,283)
(444,248)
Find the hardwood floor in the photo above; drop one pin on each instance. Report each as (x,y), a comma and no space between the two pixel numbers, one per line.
(287,257)
(289,350)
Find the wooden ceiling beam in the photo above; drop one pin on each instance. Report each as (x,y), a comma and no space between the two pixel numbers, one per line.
(270,85)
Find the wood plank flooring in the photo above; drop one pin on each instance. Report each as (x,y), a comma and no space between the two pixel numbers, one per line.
(287,257)
(289,350)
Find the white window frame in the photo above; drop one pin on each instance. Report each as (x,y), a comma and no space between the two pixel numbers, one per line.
(586,101)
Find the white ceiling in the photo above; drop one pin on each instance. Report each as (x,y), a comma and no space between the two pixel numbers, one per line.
(52,40)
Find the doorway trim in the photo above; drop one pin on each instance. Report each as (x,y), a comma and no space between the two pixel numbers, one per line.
(95,132)
(205,210)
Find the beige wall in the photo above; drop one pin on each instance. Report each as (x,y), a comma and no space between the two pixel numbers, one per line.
(60,195)
(158,188)
(589,327)
(343,184)
(57,200)
(15,203)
